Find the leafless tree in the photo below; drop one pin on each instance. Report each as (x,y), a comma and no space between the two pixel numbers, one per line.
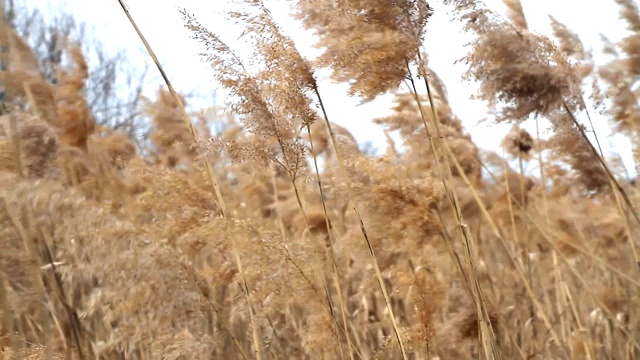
(115,85)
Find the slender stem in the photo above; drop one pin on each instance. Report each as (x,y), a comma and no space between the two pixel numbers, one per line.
(210,173)
(331,242)
(483,314)
(614,182)
(362,226)
(185,116)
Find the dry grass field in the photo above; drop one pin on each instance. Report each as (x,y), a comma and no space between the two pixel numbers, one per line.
(280,239)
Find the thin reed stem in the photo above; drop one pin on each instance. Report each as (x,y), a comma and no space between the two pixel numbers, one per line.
(183,111)
(362,225)
(210,174)
(615,184)
(489,344)
(332,241)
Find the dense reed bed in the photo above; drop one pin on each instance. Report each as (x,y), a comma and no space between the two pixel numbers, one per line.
(279,238)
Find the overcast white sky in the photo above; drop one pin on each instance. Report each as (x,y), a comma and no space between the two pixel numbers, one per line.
(163,27)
